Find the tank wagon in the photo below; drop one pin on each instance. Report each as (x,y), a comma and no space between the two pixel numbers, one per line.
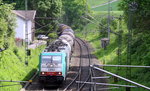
(55,59)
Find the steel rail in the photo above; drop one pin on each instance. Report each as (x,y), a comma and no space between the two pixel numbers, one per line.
(125,79)
(135,66)
(83,83)
(78,71)
(90,70)
(80,68)
(105,84)
(71,82)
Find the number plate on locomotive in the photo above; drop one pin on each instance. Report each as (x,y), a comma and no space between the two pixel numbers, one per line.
(51,69)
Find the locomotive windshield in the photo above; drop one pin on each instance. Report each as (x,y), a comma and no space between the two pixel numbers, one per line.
(56,59)
(51,63)
(51,59)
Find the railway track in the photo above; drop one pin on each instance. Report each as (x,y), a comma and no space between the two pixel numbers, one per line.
(80,70)
(91,59)
(84,66)
(86,69)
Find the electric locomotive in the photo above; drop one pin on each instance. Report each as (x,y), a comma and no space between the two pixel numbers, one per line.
(55,59)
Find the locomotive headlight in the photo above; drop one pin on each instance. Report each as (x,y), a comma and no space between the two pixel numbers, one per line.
(59,73)
(43,73)
(51,65)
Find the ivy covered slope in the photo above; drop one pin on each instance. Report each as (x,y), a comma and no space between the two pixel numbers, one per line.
(140,54)
(12,64)
(12,67)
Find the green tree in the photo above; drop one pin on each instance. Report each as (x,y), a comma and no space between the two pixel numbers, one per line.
(7,22)
(49,10)
(73,11)
(141,15)
(20,4)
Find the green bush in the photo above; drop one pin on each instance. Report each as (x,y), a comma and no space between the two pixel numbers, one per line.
(52,35)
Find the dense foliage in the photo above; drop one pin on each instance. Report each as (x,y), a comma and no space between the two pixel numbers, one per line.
(73,11)
(140,54)
(48,9)
(53,12)
(140,27)
(48,13)
(141,14)
(7,22)
(140,43)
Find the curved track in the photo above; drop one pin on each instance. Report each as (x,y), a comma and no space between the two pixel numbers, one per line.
(79,71)
(84,68)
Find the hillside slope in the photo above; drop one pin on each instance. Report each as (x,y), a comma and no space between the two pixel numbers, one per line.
(12,67)
(140,54)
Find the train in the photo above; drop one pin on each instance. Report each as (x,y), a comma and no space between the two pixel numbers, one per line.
(54,61)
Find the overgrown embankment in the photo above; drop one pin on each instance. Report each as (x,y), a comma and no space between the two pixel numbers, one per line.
(140,47)
(12,58)
(12,67)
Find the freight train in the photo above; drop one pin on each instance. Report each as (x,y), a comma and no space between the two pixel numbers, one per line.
(55,59)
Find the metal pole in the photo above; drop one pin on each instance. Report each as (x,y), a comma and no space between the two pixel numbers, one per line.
(26,33)
(119,42)
(105,84)
(101,77)
(119,48)
(107,88)
(108,19)
(132,66)
(140,85)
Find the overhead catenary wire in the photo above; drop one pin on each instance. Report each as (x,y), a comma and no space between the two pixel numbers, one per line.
(100,25)
(38,23)
(41,28)
(51,18)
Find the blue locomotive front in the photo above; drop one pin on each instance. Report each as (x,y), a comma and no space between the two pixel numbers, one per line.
(55,60)
(52,67)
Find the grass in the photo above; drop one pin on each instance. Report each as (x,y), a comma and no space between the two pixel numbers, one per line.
(113,5)
(12,67)
(109,56)
(96,2)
